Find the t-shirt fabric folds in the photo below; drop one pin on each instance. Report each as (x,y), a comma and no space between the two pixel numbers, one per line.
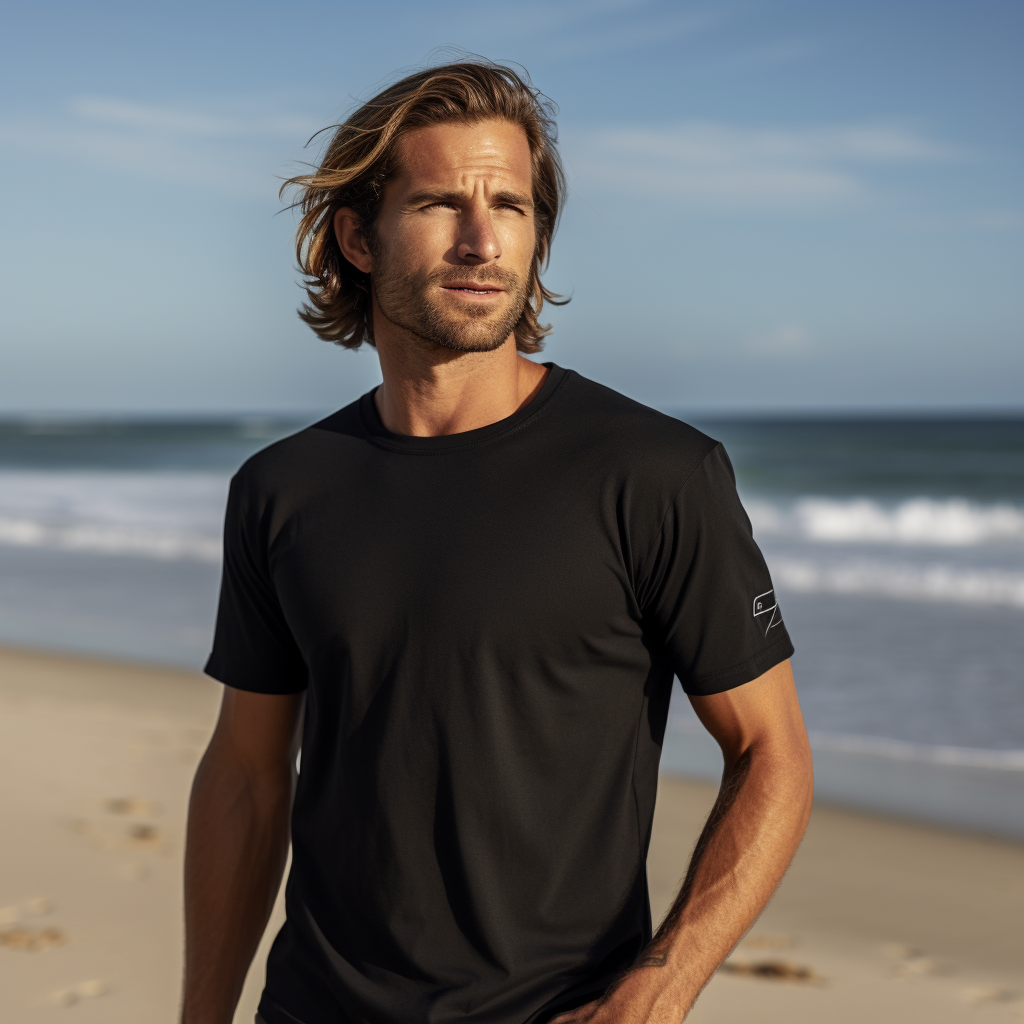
(486,626)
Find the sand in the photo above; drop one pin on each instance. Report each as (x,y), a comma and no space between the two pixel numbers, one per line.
(877,920)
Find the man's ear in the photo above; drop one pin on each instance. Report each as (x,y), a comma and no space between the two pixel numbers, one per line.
(349,233)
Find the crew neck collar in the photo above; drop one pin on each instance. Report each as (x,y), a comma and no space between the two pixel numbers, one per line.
(380,435)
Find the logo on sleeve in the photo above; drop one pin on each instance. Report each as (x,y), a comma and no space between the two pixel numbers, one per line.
(766,610)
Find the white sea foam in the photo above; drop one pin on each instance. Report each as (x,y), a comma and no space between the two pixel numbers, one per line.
(943,583)
(894,750)
(927,753)
(949,522)
(156,515)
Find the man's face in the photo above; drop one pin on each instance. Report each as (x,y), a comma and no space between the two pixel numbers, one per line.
(454,239)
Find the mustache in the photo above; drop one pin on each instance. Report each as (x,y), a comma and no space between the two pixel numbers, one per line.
(496,276)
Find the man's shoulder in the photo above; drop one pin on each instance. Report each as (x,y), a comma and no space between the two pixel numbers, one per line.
(290,460)
(629,429)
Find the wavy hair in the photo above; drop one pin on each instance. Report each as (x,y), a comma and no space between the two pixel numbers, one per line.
(360,160)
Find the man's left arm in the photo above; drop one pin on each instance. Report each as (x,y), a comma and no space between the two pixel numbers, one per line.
(750,837)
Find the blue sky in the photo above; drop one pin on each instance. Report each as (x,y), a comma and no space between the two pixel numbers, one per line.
(774,205)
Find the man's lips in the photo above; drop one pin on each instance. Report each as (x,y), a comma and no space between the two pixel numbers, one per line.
(472,288)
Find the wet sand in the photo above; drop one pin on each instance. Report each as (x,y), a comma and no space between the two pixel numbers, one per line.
(877,920)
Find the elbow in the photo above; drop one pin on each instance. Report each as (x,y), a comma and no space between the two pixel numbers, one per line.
(785,765)
(799,767)
(793,753)
(786,752)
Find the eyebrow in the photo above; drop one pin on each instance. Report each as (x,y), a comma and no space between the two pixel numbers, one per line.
(431,196)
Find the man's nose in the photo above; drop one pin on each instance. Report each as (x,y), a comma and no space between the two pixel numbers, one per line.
(478,241)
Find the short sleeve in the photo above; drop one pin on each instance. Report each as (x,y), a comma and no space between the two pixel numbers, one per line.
(705,591)
(253,647)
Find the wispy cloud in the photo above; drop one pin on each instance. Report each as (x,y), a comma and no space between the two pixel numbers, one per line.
(717,165)
(235,145)
(237,120)
(240,144)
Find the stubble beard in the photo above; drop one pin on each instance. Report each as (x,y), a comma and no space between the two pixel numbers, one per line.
(407,300)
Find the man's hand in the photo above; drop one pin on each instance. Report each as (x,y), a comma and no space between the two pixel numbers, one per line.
(644,996)
(747,844)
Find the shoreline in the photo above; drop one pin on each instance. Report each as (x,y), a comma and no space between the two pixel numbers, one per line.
(980,795)
(876,916)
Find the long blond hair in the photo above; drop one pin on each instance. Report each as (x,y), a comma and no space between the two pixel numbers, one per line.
(360,160)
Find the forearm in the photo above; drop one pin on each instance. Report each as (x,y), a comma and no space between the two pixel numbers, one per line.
(235,853)
(743,852)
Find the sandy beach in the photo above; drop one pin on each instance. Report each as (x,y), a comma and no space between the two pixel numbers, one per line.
(877,919)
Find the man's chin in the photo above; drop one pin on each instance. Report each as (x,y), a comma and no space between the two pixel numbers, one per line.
(472,335)
(456,331)
(461,343)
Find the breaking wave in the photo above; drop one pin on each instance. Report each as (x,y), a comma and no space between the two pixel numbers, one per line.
(948,522)
(944,583)
(155,515)
(881,746)
(926,753)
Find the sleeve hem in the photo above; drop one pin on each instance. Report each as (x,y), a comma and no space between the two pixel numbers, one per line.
(279,686)
(718,682)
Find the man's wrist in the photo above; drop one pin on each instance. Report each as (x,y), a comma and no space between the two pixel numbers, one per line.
(657,984)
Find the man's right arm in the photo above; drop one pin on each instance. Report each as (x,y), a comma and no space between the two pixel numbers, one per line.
(236,846)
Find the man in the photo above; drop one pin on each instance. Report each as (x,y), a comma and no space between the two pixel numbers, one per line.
(469,592)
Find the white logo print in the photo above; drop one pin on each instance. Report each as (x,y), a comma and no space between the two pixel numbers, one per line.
(765,604)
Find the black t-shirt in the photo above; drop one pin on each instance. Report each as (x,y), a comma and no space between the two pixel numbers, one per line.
(486,625)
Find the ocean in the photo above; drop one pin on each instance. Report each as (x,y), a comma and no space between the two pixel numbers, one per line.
(896,546)
(897,550)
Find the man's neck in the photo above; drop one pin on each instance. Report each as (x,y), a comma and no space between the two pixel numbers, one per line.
(430,391)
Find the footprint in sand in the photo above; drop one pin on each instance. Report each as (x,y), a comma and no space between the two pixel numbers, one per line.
(93,987)
(133,871)
(774,970)
(31,939)
(134,835)
(14,934)
(911,962)
(900,951)
(83,990)
(978,995)
(139,833)
(769,942)
(919,966)
(131,806)
(144,835)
